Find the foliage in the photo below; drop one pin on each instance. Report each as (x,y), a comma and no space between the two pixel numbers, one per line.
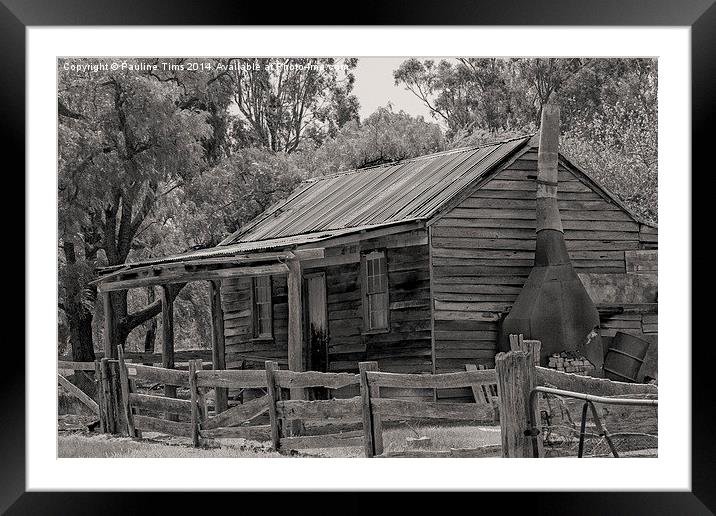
(609,111)
(124,136)
(383,137)
(283,100)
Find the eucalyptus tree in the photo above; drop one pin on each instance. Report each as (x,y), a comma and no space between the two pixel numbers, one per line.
(125,137)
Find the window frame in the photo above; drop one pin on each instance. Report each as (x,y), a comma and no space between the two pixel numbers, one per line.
(255,309)
(365,258)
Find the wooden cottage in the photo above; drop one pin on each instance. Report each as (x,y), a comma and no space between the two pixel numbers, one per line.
(411,264)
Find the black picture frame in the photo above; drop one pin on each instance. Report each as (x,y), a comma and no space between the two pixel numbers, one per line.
(700,15)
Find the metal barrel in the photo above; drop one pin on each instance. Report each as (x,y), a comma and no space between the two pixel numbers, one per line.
(625,357)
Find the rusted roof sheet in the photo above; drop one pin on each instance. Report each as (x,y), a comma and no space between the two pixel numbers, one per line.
(407,190)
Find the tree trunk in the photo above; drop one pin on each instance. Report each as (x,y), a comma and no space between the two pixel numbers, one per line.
(83,350)
(79,319)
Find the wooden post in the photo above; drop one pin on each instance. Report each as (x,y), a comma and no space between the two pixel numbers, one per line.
(115,387)
(478,390)
(274,395)
(124,383)
(110,422)
(519,343)
(534,347)
(372,425)
(109,326)
(296,351)
(515,380)
(218,348)
(168,338)
(194,392)
(135,411)
(100,397)
(296,355)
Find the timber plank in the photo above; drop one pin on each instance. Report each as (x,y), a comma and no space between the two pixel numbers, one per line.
(438,381)
(75,366)
(158,374)
(238,414)
(590,385)
(353,438)
(153,424)
(390,409)
(256,433)
(78,393)
(344,409)
(247,379)
(160,403)
(293,379)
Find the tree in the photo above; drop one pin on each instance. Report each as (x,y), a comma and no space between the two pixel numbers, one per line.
(468,94)
(383,137)
(608,110)
(617,143)
(283,101)
(124,136)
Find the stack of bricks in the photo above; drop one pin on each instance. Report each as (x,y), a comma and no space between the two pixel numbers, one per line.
(570,362)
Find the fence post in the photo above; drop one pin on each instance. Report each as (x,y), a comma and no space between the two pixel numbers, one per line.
(124,384)
(372,425)
(201,394)
(519,343)
(194,391)
(100,397)
(515,380)
(274,395)
(115,386)
(110,423)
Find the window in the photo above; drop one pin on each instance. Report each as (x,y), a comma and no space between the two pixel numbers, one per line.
(263,315)
(375,291)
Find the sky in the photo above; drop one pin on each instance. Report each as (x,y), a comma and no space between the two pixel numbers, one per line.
(375,87)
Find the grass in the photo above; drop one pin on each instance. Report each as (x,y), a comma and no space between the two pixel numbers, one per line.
(158,446)
(442,437)
(102,446)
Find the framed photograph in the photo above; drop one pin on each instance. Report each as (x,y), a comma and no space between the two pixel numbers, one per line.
(432,236)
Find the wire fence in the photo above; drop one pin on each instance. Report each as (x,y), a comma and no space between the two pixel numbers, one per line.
(577,425)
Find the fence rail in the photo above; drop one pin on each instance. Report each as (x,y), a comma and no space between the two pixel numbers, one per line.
(180,357)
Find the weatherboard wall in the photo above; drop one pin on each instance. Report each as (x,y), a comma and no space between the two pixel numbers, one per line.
(406,347)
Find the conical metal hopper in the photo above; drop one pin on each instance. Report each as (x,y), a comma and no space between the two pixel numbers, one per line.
(553,306)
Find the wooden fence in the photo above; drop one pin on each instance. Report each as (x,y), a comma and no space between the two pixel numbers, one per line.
(377,409)
(515,377)
(287,416)
(106,385)
(285,403)
(233,422)
(72,389)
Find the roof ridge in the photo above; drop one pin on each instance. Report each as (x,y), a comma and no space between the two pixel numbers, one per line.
(422,157)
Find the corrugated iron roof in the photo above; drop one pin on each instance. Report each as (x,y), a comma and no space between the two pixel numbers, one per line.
(246,247)
(406,190)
